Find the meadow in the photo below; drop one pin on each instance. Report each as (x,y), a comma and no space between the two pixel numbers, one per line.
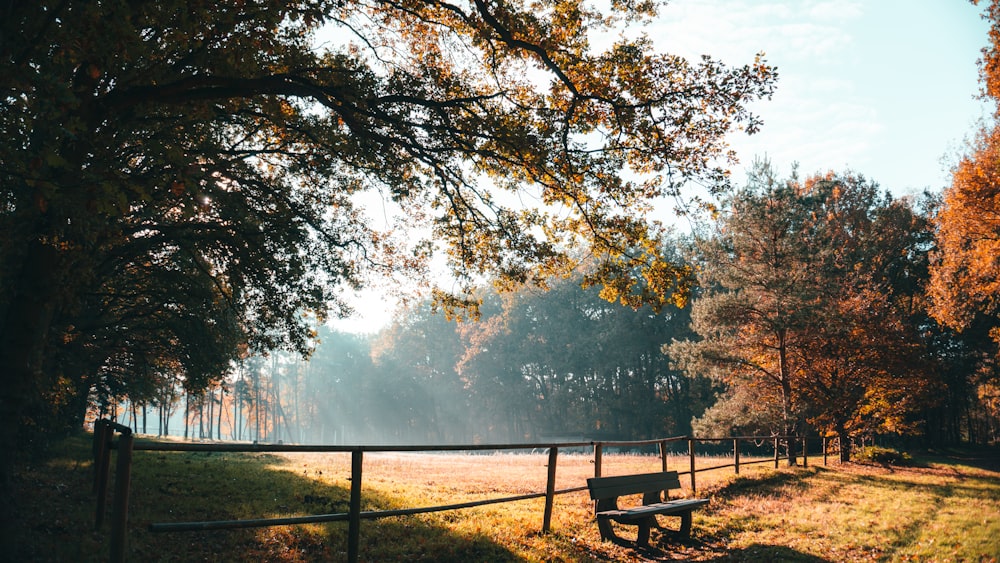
(943,507)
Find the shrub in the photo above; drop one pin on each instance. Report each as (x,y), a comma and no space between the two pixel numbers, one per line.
(882,456)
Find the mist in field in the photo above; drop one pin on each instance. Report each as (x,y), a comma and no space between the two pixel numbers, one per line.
(561,366)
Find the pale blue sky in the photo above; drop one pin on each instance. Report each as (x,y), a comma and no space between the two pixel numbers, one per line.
(885,88)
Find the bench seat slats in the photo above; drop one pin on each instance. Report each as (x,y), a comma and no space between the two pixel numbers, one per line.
(642,512)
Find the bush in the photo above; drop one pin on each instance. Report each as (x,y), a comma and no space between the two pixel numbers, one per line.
(882,456)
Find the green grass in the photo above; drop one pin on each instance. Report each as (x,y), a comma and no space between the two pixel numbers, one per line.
(941,508)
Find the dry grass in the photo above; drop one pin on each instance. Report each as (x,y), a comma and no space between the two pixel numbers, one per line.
(945,510)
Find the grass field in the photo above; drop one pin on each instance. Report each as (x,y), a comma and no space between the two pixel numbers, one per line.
(944,508)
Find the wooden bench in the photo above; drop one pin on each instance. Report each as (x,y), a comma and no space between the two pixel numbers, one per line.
(606,490)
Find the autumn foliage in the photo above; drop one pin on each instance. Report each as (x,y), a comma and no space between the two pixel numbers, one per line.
(966,277)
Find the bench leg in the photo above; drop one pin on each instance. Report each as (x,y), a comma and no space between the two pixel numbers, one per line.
(607,532)
(685,530)
(645,525)
(643,538)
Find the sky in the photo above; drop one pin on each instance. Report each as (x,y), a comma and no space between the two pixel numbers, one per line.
(883,88)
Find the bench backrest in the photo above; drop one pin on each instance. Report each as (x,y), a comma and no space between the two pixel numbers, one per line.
(608,487)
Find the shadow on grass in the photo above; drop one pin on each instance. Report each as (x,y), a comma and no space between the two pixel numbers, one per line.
(761,552)
(666,547)
(226,486)
(986,458)
(57,505)
(770,484)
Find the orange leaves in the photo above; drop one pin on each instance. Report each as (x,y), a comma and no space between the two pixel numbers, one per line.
(965,277)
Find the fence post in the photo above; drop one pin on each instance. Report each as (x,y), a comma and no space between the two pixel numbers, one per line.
(119,512)
(98,451)
(736,454)
(103,469)
(598,452)
(824,451)
(775,452)
(691,456)
(663,455)
(354,517)
(550,489)
(805,451)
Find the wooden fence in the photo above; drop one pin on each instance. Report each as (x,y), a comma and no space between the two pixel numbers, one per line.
(104,431)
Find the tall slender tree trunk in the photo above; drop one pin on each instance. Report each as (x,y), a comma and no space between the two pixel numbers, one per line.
(256,406)
(187,413)
(222,401)
(787,410)
(169,407)
(206,427)
(237,423)
(276,399)
(295,404)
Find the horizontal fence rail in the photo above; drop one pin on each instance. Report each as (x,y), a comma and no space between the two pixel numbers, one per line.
(103,444)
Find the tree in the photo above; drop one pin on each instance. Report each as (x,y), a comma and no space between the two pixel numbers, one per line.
(760,287)
(338,405)
(566,362)
(965,274)
(870,366)
(965,282)
(813,307)
(416,357)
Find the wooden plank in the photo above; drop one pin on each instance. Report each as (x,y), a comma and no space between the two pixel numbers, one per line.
(606,487)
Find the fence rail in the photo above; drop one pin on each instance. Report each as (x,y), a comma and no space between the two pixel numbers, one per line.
(104,431)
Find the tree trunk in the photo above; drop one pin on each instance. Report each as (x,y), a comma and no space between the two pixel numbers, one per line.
(237,423)
(845,444)
(256,406)
(787,414)
(24,339)
(218,425)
